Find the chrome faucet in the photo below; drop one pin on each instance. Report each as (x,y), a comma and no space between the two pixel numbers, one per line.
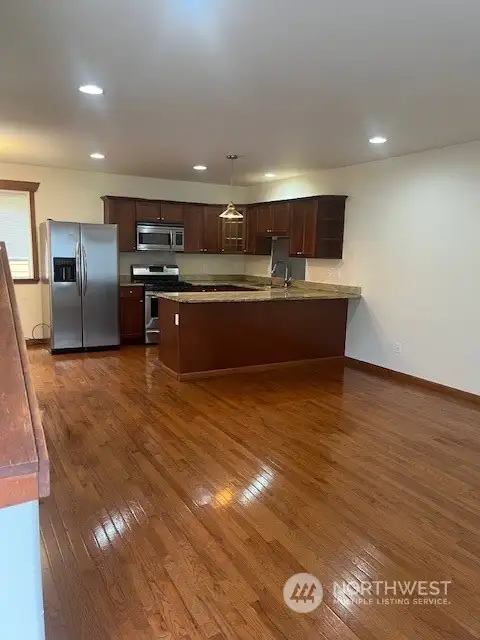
(287,279)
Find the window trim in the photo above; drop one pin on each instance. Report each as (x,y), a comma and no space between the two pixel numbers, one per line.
(31,187)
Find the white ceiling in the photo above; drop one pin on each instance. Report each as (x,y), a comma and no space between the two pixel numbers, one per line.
(291,85)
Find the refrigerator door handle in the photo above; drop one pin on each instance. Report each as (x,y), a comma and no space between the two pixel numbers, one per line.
(85,276)
(78,268)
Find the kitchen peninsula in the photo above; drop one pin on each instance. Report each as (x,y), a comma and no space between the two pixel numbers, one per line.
(210,333)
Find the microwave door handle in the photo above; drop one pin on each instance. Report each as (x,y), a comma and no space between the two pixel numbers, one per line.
(171,240)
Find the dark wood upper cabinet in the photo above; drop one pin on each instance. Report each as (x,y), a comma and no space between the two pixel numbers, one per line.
(156,211)
(148,211)
(172,212)
(193,221)
(255,244)
(316,227)
(212,228)
(233,233)
(297,229)
(250,230)
(202,228)
(273,219)
(122,212)
(280,217)
(264,219)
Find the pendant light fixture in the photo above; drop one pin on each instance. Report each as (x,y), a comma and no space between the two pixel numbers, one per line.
(230,212)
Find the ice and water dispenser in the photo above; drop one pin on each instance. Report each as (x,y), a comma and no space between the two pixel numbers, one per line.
(64,270)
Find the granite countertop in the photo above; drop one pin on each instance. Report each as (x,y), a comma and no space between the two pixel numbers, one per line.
(125,282)
(262,295)
(262,290)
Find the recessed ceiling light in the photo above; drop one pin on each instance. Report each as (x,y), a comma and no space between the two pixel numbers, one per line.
(270,175)
(200,167)
(97,156)
(91,89)
(377,140)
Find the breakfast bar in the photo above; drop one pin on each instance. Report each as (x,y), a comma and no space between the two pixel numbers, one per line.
(205,334)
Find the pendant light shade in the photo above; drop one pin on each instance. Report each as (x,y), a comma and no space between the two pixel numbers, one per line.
(231,212)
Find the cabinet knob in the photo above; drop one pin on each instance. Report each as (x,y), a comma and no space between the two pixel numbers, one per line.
(141,300)
(159,218)
(299,253)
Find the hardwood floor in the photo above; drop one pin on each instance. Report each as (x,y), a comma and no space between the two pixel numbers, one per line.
(178,510)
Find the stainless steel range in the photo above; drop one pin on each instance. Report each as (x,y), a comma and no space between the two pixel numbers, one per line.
(156,277)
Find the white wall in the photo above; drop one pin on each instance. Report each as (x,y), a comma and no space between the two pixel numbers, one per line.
(412,241)
(75,196)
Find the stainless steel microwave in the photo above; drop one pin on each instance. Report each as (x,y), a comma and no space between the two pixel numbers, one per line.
(160,237)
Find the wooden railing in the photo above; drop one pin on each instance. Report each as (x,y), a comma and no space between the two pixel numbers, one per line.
(24,465)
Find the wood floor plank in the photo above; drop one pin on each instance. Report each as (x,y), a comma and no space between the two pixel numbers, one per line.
(178,510)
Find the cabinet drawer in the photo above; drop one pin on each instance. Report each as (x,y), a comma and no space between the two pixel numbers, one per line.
(131,292)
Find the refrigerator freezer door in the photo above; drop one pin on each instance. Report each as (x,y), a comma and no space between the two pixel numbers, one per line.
(66,299)
(99,249)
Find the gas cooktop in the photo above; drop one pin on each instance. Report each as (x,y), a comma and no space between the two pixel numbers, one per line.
(177,286)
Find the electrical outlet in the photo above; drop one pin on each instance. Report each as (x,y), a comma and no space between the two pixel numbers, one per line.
(329,273)
(398,348)
(177,320)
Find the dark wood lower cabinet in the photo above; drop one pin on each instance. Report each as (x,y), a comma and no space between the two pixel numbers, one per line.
(229,335)
(132,315)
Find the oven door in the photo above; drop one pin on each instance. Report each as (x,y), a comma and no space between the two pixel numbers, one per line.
(154,237)
(152,331)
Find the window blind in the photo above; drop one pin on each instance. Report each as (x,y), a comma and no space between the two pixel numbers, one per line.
(16,232)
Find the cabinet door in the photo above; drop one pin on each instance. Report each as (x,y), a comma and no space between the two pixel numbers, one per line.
(310,229)
(255,244)
(148,211)
(172,212)
(303,228)
(250,229)
(193,220)
(264,219)
(132,319)
(212,229)
(280,214)
(233,233)
(297,228)
(122,213)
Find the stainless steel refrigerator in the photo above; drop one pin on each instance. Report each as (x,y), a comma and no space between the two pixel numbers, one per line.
(80,280)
